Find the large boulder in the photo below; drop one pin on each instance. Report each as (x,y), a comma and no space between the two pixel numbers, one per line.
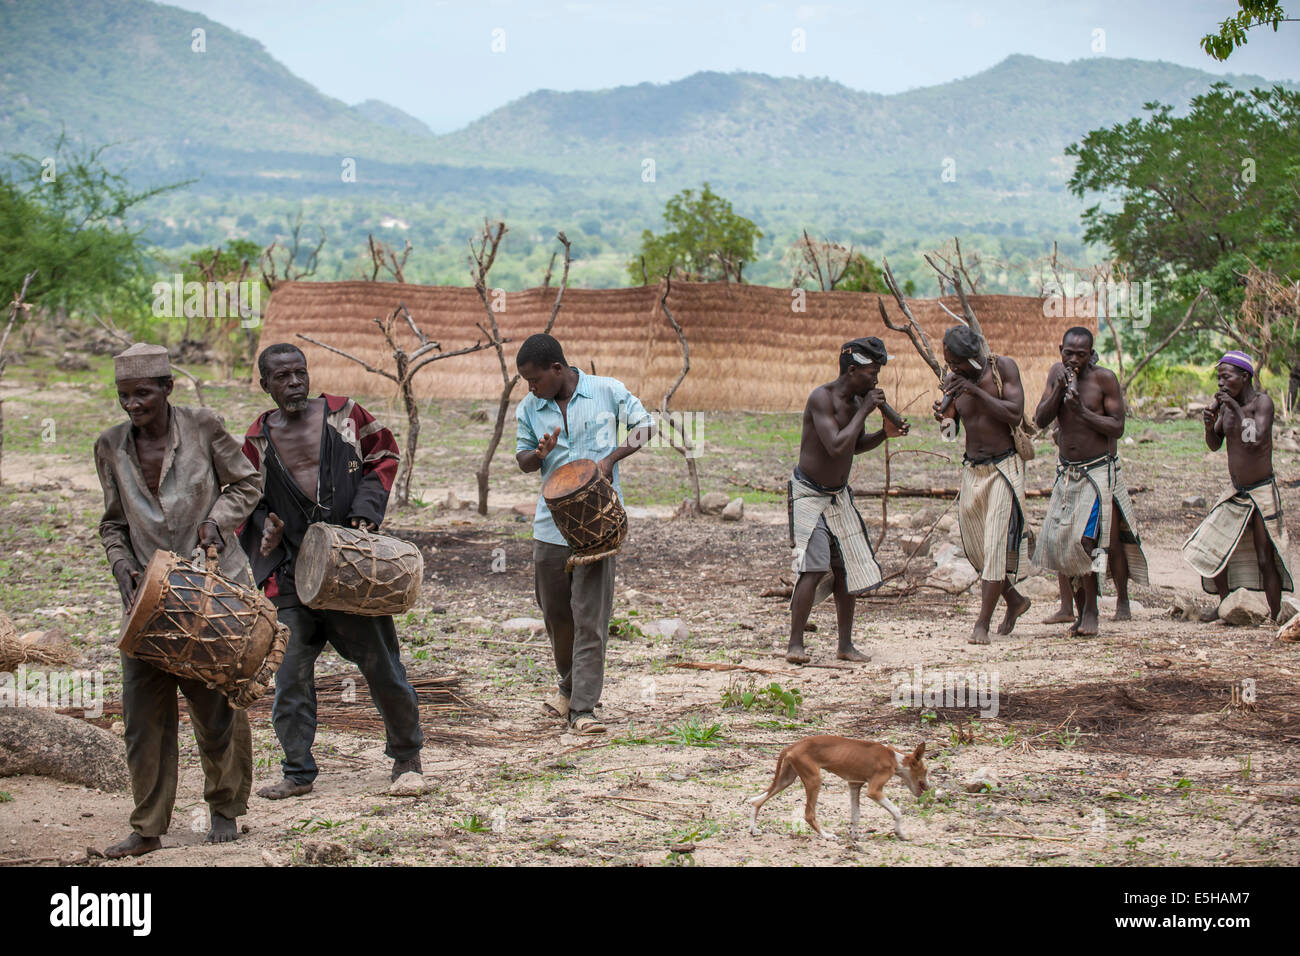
(38,741)
(952,572)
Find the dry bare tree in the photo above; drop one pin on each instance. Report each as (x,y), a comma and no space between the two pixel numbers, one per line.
(383,257)
(675,426)
(482,257)
(16,306)
(225,299)
(956,265)
(407,365)
(279,263)
(822,260)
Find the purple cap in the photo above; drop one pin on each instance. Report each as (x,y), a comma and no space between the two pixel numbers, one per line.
(1240,360)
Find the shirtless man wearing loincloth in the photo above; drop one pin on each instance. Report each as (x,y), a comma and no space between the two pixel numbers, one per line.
(991,503)
(832,554)
(1242,542)
(1089,504)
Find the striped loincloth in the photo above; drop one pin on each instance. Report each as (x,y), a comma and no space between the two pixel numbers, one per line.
(1080,487)
(991,515)
(806,503)
(1221,540)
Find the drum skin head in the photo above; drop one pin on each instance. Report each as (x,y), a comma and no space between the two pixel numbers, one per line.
(568,478)
(147,596)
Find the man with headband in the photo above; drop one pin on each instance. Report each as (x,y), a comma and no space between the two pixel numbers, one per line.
(832,553)
(1089,526)
(1242,542)
(174,479)
(984,393)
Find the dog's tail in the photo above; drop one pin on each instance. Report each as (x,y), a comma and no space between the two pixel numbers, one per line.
(780,762)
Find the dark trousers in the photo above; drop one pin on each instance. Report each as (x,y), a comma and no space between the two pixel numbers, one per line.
(151,717)
(368,642)
(576,609)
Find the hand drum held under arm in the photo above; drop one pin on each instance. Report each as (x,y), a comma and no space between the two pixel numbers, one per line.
(195,624)
(586,510)
(360,572)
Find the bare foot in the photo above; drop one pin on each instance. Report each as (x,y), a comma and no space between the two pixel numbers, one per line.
(223,829)
(285,788)
(851,653)
(795,654)
(1064,616)
(1087,626)
(1013,614)
(980,635)
(134,845)
(1122,612)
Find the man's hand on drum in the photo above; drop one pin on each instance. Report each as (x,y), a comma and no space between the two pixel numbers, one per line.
(272,532)
(547,443)
(126,577)
(362,524)
(210,536)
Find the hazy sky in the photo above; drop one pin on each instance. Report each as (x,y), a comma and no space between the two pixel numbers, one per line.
(435,58)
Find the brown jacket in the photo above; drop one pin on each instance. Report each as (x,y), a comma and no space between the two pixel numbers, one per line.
(204,476)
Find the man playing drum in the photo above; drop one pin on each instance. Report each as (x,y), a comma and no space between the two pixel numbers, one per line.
(323,459)
(1089,525)
(986,396)
(1242,542)
(832,553)
(568,416)
(173,480)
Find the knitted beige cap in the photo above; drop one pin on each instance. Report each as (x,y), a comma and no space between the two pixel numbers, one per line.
(142,361)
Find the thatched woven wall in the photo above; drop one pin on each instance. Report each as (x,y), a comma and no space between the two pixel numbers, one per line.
(749,349)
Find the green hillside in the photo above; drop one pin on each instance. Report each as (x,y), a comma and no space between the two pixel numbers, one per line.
(789,153)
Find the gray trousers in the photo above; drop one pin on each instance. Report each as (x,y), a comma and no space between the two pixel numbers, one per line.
(576,608)
(151,720)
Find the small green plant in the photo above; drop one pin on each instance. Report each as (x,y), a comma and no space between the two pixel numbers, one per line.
(312,824)
(625,627)
(929,716)
(631,739)
(473,823)
(747,695)
(1008,739)
(1245,765)
(1068,737)
(1184,785)
(6,796)
(695,835)
(695,733)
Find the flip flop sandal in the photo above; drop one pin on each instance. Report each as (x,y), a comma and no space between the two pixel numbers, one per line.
(587,726)
(556,706)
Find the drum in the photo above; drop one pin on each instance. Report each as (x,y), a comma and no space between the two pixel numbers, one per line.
(360,572)
(586,510)
(194,623)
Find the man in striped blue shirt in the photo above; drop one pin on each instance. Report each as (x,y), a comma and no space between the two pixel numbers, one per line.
(569,415)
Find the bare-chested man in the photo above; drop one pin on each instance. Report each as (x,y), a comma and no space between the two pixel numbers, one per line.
(1242,542)
(987,397)
(1090,503)
(832,553)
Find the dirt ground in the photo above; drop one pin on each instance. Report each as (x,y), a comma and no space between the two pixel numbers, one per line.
(1136,747)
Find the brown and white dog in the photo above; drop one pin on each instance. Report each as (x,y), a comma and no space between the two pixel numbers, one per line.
(857,761)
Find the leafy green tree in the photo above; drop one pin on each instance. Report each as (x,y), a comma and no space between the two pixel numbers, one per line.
(1197,200)
(1232,31)
(706,241)
(65,215)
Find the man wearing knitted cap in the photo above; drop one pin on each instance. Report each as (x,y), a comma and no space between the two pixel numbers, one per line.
(984,393)
(832,553)
(1242,542)
(174,479)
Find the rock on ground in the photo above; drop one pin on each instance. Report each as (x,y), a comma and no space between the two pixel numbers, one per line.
(409,784)
(530,624)
(39,741)
(981,780)
(673,627)
(1244,608)
(1039,588)
(1290,631)
(1194,501)
(713,502)
(952,571)
(735,510)
(1183,609)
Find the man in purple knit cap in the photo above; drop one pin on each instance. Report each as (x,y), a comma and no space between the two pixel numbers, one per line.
(1242,542)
